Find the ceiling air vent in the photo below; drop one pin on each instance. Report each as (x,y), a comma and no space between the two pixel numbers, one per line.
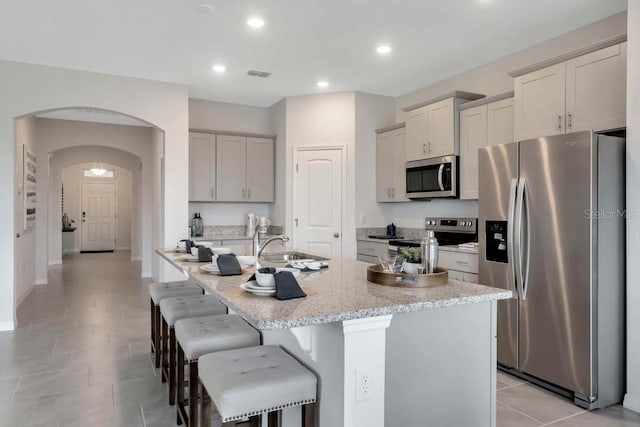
(256,73)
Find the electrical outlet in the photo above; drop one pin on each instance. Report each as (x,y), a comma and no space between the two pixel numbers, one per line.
(364,383)
(362,219)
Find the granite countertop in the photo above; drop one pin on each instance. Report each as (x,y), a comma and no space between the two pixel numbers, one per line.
(213,237)
(382,241)
(338,293)
(456,248)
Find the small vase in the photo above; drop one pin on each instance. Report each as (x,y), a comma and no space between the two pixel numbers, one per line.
(411,267)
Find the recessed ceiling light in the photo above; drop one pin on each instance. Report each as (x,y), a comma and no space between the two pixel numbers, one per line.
(255,22)
(383,49)
(323,83)
(219,68)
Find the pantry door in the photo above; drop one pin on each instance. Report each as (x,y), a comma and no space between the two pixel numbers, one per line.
(318,188)
(98,217)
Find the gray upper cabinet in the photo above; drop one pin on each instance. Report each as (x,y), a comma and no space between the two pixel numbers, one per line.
(245,170)
(586,92)
(260,170)
(390,166)
(202,163)
(481,126)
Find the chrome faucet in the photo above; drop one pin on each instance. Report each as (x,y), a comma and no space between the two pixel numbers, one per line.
(282,237)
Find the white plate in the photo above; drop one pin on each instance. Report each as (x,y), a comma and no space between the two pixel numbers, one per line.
(190,258)
(213,268)
(260,292)
(267,280)
(253,285)
(221,251)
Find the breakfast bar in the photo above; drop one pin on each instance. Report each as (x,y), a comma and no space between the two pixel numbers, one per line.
(383,355)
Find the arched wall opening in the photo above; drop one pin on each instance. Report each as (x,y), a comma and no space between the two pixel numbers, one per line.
(31,89)
(62,163)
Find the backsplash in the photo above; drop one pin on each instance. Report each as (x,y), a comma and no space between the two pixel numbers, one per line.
(230,231)
(407,233)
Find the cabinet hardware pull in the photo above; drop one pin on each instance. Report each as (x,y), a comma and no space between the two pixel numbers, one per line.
(248,193)
(393,193)
(570,120)
(244,193)
(429,146)
(424,148)
(559,122)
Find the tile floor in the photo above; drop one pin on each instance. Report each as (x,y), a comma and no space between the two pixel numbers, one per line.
(80,357)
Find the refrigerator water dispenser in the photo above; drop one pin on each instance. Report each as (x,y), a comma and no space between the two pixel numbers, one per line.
(496,241)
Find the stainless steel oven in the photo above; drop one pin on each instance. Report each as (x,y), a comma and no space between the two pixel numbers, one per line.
(432,178)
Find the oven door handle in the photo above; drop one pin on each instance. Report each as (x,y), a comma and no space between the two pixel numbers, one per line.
(440,173)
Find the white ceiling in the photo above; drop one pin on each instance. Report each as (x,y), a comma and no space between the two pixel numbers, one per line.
(302,41)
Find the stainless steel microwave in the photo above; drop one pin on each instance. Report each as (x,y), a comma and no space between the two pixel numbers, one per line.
(432,178)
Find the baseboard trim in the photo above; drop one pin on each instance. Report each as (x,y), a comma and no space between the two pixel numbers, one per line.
(55,262)
(7,326)
(146,274)
(136,258)
(632,401)
(123,248)
(24,295)
(42,282)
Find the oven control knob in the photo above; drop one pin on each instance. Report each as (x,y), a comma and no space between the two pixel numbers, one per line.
(463,223)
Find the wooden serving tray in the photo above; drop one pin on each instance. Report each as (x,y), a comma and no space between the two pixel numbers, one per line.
(406,280)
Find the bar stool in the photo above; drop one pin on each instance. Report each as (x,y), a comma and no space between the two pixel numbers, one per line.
(250,381)
(198,336)
(173,309)
(159,291)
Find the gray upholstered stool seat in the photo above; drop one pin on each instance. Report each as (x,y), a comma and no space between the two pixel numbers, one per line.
(201,335)
(173,309)
(253,380)
(161,290)
(157,292)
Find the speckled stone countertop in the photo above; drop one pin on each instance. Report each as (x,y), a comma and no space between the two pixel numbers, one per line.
(338,293)
(456,248)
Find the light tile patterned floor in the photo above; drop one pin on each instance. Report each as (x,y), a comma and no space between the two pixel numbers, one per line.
(80,357)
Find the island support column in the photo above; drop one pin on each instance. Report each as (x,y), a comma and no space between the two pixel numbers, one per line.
(364,370)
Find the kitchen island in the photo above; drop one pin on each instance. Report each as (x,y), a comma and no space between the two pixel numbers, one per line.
(383,355)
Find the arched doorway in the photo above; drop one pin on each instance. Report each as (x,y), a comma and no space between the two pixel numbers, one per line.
(57,142)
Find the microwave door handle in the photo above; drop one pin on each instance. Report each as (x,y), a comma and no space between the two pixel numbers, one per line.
(440,172)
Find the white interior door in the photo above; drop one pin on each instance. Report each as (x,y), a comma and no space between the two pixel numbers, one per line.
(317,202)
(98,217)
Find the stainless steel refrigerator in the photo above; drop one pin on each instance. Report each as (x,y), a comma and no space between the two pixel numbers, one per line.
(552,230)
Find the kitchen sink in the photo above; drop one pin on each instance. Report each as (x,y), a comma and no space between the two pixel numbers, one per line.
(285,257)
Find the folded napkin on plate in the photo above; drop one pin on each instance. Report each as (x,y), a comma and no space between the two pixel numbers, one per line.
(287,286)
(229,265)
(263,270)
(204,254)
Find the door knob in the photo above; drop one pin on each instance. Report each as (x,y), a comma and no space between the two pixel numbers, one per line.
(336,235)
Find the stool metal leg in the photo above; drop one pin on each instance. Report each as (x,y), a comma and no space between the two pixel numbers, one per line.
(172,366)
(309,415)
(165,349)
(180,386)
(205,407)
(193,393)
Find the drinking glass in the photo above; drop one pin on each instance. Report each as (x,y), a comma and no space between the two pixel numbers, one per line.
(387,262)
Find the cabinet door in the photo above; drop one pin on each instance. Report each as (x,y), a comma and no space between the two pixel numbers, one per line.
(441,133)
(231,160)
(500,122)
(399,188)
(260,170)
(540,103)
(473,136)
(384,166)
(202,160)
(596,90)
(416,135)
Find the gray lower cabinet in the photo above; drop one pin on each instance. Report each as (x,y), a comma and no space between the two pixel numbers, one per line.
(369,251)
(245,169)
(461,265)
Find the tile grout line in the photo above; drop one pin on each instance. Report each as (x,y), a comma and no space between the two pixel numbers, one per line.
(144,421)
(521,413)
(565,418)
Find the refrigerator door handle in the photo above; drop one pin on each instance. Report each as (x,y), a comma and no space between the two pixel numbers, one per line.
(527,235)
(510,235)
(518,238)
(440,172)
